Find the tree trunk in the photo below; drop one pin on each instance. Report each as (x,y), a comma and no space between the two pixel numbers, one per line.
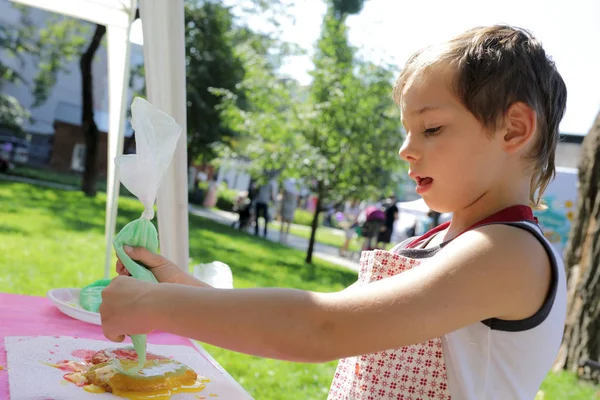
(315,224)
(582,259)
(90,130)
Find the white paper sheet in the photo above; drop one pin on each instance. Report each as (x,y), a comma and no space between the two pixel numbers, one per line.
(30,379)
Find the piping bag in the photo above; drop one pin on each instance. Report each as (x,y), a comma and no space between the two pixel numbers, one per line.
(156,135)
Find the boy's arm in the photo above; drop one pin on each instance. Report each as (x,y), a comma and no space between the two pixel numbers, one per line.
(493,271)
(353,286)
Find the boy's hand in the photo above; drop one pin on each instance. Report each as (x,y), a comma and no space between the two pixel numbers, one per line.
(164,270)
(126,308)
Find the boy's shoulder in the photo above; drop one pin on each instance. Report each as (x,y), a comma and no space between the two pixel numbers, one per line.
(505,239)
(513,257)
(512,247)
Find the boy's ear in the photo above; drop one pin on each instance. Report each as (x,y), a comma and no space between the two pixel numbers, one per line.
(520,126)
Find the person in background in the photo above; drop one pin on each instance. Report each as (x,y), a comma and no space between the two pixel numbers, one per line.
(191,178)
(242,205)
(435,218)
(211,195)
(423,224)
(252,192)
(289,203)
(351,213)
(201,177)
(264,196)
(372,223)
(329,214)
(391,215)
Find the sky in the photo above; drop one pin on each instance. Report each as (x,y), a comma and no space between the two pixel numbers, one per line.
(392,30)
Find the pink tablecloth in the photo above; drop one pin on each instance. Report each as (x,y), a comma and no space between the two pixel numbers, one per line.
(34,316)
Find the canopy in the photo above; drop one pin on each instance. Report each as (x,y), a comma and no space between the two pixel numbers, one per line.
(164,53)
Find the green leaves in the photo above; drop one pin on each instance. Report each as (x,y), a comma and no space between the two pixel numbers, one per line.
(357,125)
(210,63)
(343,7)
(12,114)
(343,131)
(58,43)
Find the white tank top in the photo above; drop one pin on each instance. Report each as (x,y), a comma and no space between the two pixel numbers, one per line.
(505,360)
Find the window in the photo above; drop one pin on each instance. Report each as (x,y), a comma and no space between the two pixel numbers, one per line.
(78,159)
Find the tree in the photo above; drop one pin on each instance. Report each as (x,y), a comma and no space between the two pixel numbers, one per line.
(581,341)
(212,33)
(270,120)
(58,42)
(210,62)
(356,125)
(88,125)
(345,7)
(12,114)
(339,134)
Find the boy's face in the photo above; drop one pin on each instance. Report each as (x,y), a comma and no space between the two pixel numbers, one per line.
(452,157)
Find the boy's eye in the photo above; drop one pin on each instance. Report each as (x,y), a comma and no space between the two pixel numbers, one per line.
(432,131)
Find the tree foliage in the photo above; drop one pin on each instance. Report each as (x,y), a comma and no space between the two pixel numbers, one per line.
(12,114)
(342,133)
(342,8)
(214,28)
(271,120)
(357,127)
(210,62)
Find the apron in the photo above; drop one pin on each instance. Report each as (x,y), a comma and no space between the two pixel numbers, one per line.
(415,372)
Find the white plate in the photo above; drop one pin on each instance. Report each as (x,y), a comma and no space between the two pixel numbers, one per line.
(67,301)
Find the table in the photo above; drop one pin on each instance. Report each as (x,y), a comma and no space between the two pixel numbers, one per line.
(35,316)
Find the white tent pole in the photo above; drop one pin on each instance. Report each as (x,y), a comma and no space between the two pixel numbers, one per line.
(117,16)
(164,62)
(119,49)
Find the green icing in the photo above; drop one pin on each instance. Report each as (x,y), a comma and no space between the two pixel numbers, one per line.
(138,233)
(90,296)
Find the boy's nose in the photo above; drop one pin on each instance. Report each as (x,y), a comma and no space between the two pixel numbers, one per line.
(408,152)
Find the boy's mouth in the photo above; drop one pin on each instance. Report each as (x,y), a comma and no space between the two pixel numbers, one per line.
(423,183)
(424,180)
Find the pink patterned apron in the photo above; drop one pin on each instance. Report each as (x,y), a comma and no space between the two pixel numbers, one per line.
(415,372)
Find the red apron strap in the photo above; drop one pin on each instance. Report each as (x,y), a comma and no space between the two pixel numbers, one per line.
(509,214)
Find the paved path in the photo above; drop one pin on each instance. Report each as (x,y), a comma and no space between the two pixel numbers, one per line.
(321,251)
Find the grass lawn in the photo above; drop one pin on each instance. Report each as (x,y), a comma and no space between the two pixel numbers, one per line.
(566,386)
(325,235)
(71,179)
(51,238)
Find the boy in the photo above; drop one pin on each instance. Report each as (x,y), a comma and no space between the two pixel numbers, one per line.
(475,308)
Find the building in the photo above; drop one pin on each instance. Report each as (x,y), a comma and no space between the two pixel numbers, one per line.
(54,134)
(568,150)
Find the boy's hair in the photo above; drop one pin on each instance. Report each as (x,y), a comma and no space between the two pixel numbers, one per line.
(495,67)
